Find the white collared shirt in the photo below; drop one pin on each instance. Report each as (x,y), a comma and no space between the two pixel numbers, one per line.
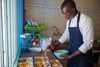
(86,29)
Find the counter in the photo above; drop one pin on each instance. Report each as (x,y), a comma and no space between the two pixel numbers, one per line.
(50,55)
(96,49)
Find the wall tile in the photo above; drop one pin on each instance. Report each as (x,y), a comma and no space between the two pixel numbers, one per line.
(59,2)
(96,26)
(96,16)
(60,20)
(49,18)
(38,15)
(50,2)
(96,35)
(89,4)
(97,4)
(39,1)
(90,14)
(80,3)
(48,33)
(28,1)
(82,11)
(29,13)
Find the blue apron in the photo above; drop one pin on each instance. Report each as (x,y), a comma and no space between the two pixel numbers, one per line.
(76,40)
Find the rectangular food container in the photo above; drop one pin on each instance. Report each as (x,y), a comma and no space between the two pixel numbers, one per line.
(55,63)
(40,58)
(42,64)
(26,59)
(25,64)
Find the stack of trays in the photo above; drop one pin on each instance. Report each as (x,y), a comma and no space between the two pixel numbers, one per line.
(25,62)
(38,61)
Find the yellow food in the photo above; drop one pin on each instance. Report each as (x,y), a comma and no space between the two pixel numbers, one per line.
(22,60)
(46,63)
(22,65)
(38,58)
(39,64)
(54,63)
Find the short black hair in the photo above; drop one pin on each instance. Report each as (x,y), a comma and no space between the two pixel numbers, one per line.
(68,3)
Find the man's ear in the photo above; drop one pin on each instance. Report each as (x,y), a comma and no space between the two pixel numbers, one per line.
(73,9)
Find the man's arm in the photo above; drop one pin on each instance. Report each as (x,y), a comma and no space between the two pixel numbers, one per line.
(87,33)
(67,57)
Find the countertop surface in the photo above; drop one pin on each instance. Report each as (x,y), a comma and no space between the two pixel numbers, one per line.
(50,55)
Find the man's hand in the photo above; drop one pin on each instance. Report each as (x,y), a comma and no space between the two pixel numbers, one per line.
(51,47)
(65,57)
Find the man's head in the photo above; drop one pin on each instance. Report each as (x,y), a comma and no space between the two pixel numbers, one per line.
(68,8)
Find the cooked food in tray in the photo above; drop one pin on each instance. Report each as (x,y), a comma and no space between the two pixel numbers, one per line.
(55,63)
(42,64)
(27,59)
(45,58)
(25,64)
(22,60)
(40,59)
(38,64)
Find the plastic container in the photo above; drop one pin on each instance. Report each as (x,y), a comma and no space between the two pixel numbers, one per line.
(25,43)
(58,53)
(40,27)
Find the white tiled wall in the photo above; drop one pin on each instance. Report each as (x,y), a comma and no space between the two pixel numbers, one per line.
(53,16)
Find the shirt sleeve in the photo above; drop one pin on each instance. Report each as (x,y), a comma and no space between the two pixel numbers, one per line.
(87,33)
(65,35)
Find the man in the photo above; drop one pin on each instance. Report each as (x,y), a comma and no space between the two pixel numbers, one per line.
(79,30)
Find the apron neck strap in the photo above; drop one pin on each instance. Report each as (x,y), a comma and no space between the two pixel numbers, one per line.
(78,19)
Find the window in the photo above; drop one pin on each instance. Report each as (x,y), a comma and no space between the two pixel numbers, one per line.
(11,18)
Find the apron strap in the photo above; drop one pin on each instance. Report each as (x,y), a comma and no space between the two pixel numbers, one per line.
(78,19)
(69,22)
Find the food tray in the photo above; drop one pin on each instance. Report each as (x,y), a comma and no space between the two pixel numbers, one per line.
(26,59)
(25,64)
(42,64)
(40,59)
(55,63)
(40,27)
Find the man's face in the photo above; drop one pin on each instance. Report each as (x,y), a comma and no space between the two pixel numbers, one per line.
(68,12)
